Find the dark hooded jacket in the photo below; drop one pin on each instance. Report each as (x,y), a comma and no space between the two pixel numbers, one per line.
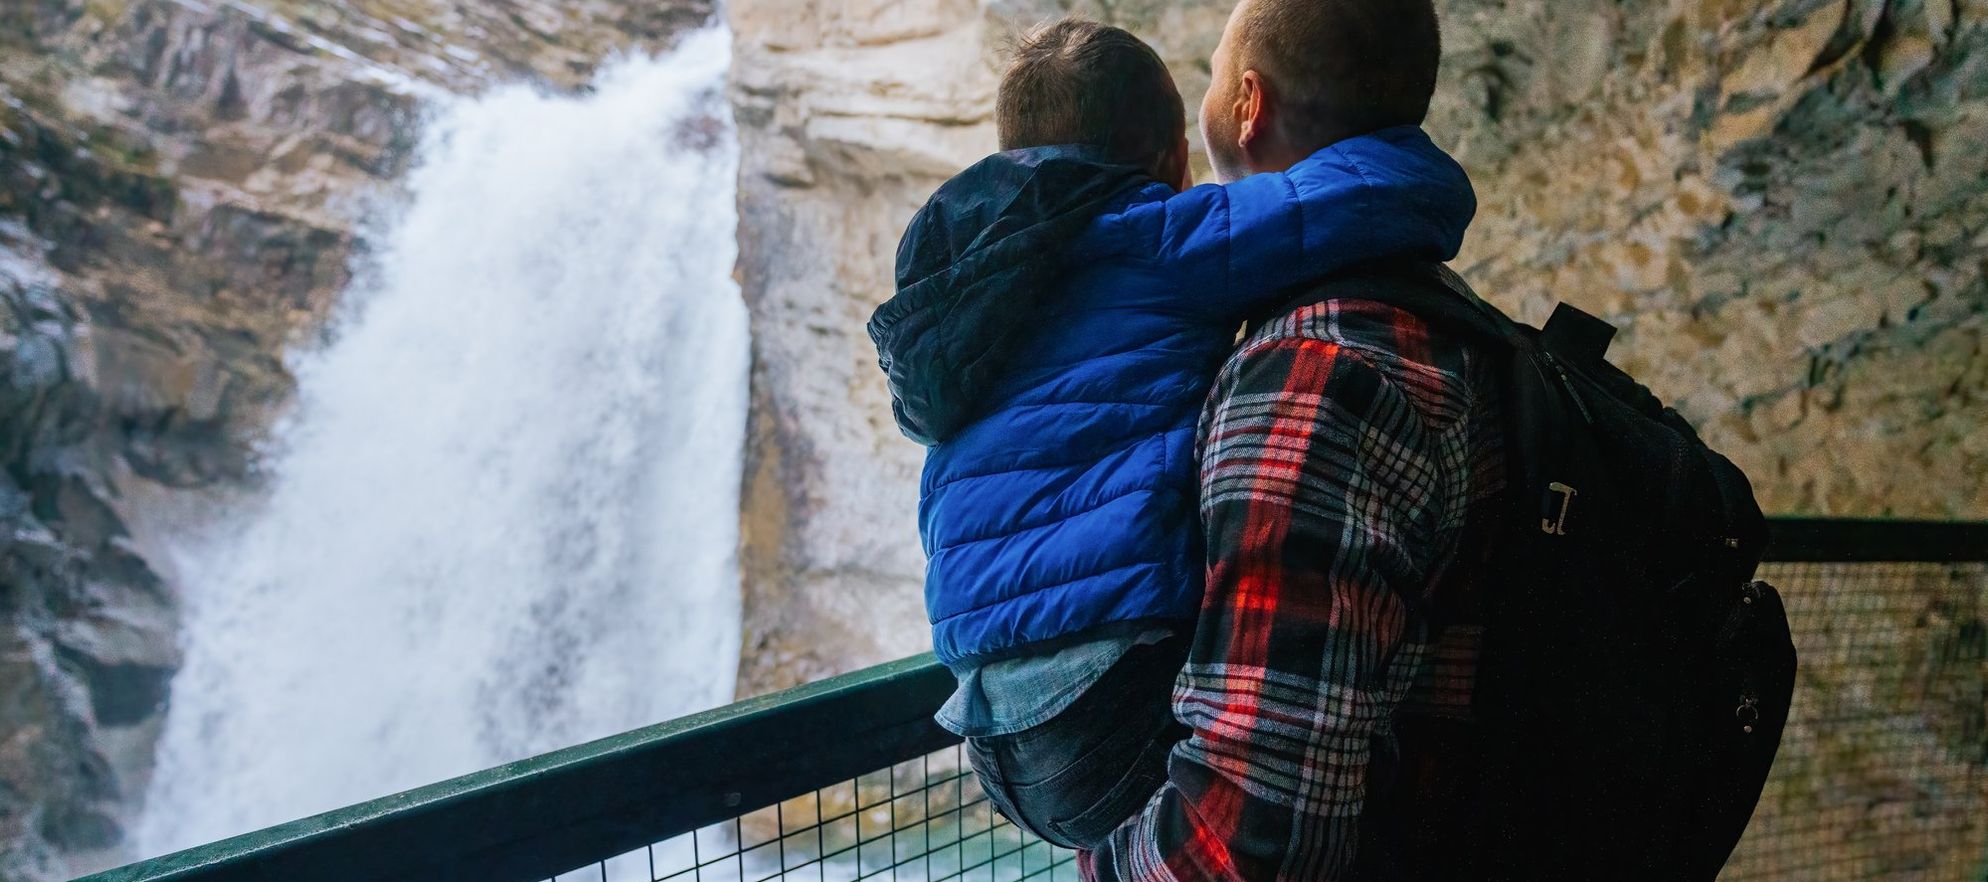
(1057,323)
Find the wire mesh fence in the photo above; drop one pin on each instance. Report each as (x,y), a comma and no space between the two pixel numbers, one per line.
(921,820)
(1883,771)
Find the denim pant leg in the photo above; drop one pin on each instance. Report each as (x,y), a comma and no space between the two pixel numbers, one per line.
(1075,778)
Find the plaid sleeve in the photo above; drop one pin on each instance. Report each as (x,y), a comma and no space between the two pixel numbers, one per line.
(1319,497)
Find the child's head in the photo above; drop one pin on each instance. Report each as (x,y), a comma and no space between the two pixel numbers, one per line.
(1076,81)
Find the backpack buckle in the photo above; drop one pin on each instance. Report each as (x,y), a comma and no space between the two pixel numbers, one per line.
(1576,334)
(1557,526)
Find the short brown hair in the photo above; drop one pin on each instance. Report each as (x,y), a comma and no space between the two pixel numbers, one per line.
(1345,66)
(1076,81)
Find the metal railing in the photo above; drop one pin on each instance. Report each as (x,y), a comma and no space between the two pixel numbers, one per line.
(1883,771)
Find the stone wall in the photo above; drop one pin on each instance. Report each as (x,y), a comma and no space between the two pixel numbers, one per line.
(1782,203)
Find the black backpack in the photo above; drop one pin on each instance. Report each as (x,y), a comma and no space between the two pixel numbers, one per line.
(1635,678)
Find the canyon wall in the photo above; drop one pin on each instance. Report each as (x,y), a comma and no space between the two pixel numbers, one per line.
(849,114)
(179,183)
(1782,203)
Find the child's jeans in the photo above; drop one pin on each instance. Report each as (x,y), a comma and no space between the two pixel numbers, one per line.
(1074,779)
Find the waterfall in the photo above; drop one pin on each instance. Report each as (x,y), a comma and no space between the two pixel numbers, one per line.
(502,518)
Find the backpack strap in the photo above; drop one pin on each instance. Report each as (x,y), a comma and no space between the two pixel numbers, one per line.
(1430,291)
(1435,294)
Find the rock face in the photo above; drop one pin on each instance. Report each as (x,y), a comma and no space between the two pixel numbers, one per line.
(178,187)
(1774,202)
(1778,202)
(848,116)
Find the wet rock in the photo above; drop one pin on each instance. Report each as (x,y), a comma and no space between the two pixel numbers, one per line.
(178,187)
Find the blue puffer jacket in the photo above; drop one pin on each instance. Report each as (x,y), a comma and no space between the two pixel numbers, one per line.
(1057,324)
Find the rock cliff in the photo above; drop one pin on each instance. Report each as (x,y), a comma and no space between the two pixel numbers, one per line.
(849,115)
(1780,202)
(1774,201)
(179,182)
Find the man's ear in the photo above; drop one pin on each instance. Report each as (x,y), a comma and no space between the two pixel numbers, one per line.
(1251,110)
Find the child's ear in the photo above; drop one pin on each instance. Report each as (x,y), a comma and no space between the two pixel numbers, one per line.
(1181,171)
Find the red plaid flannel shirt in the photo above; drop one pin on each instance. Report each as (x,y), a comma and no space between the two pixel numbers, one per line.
(1346,452)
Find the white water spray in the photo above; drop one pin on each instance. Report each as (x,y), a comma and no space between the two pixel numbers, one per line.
(503,518)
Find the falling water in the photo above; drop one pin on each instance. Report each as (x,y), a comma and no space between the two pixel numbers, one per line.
(503,517)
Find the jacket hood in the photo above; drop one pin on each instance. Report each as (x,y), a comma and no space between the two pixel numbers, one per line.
(973,271)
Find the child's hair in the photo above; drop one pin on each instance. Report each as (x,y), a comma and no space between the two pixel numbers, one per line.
(1075,81)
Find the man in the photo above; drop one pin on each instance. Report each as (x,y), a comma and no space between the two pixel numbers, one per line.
(1349,454)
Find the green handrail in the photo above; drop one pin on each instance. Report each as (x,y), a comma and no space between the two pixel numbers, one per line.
(541,816)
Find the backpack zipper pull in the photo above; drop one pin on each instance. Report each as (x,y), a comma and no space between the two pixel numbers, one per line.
(1748,711)
(1567,383)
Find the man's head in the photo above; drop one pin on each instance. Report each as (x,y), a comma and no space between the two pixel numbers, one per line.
(1075,81)
(1293,76)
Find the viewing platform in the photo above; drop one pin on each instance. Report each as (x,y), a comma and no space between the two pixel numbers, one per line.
(1882,773)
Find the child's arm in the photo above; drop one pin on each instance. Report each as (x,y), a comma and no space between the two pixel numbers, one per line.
(1236,249)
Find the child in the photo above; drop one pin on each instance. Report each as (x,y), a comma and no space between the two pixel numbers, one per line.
(1062,308)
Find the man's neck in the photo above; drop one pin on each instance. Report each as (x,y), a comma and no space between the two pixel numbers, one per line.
(1280,152)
